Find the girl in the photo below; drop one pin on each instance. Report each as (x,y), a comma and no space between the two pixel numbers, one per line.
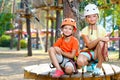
(95,41)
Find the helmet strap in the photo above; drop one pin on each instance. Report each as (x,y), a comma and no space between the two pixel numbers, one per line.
(92,28)
(67,35)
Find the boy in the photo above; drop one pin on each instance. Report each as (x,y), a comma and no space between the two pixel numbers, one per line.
(65,49)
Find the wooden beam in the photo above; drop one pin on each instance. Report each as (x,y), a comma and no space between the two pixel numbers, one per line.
(51,18)
(52,8)
(115,1)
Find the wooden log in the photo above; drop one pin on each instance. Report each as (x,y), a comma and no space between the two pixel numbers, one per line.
(44,72)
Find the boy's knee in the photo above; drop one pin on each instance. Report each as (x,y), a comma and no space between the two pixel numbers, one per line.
(50,49)
(69,70)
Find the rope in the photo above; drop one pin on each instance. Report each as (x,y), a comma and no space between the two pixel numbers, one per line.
(114,38)
(36,18)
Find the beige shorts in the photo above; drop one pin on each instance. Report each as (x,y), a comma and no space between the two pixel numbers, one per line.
(64,62)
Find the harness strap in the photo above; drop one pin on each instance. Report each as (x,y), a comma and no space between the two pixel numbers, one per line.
(52,66)
(90,54)
(74,65)
(62,60)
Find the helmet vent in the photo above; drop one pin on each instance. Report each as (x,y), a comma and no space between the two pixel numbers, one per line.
(87,10)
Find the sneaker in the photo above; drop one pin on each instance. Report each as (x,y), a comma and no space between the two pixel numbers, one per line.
(58,73)
(97,71)
(91,67)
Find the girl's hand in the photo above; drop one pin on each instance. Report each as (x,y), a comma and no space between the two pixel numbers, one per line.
(105,39)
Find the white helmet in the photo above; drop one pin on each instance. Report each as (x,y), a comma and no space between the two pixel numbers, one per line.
(91,9)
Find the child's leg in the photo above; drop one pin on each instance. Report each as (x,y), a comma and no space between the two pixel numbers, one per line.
(69,69)
(82,60)
(105,51)
(98,54)
(52,54)
(70,66)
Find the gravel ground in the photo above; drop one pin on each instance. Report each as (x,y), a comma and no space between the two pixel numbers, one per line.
(12,63)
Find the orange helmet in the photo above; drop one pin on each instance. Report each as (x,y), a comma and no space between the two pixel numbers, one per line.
(69,21)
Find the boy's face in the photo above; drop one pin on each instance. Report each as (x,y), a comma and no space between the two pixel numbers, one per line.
(67,30)
(92,19)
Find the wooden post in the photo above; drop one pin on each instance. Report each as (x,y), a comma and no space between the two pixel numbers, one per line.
(37,39)
(12,34)
(52,32)
(46,45)
(58,22)
(19,34)
(2,6)
(27,15)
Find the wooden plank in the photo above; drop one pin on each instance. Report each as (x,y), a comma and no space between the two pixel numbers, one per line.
(29,68)
(116,69)
(108,69)
(42,69)
(44,72)
(29,75)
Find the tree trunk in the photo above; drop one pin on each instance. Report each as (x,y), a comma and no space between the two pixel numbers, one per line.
(12,35)
(119,40)
(68,12)
(37,39)
(2,7)
(46,46)
(57,33)
(28,30)
(52,33)
(19,34)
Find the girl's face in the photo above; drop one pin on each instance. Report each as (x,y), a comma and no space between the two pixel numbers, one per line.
(67,30)
(92,19)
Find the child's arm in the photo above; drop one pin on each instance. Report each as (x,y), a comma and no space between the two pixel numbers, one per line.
(70,54)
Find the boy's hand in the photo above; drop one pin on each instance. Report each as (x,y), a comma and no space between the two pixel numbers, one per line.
(58,50)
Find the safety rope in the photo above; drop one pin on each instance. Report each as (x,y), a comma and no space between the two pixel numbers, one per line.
(36,18)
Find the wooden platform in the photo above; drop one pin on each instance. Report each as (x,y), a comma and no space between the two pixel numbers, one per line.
(44,72)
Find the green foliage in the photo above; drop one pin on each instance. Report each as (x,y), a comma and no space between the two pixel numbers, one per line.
(23,43)
(5,22)
(5,41)
(15,41)
(117,12)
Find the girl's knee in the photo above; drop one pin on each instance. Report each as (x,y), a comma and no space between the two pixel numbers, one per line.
(101,43)
(82,60)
